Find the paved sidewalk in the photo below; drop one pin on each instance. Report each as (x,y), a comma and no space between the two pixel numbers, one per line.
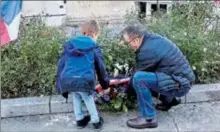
(185,117)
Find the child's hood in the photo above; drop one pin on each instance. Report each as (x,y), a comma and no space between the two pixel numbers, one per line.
(79,46)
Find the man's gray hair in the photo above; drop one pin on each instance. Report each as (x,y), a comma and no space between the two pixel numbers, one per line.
(134,31)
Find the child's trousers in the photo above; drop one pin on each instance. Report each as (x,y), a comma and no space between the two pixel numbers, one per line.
(90,104)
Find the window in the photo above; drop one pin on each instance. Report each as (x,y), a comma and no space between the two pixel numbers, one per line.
(142,9)
(163,7)
(153,8)
(148,8)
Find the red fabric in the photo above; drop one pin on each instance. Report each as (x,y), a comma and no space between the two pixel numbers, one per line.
(113,82)
(4,34)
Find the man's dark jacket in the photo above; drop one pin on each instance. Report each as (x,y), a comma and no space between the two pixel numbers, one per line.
(160,55)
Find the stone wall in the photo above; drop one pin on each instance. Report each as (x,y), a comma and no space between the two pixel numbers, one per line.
(75,11)
(98,9)
(51,11)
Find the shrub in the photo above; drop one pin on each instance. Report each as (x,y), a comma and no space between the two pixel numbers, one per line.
(119,59)
(28,65)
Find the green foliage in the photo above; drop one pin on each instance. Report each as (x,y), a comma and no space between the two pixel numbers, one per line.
(118,57)
(122,102)
(28,65)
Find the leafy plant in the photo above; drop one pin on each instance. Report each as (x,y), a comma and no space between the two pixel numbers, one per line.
(119,59)
(117,100)
(28,65)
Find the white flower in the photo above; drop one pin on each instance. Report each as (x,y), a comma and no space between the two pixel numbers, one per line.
(203,69)
(173,36)
(185,33)
(116,72)
(206,62)
(204,49)
(194,68)
(126,65)
(119,66)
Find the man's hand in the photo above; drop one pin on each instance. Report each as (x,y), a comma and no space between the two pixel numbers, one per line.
(106,91)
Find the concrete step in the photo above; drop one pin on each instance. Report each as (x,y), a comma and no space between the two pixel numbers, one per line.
(57,104)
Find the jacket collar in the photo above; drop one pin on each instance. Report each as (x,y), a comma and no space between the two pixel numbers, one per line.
(146,37)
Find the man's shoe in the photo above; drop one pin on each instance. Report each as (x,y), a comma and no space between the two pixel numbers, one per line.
(99,124)
(166,106)
(84,122)
(140,123)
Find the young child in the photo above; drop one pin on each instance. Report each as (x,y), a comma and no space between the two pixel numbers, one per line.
(76,71)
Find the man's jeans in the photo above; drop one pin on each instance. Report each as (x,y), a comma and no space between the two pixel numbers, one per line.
(144,83)
(90,104)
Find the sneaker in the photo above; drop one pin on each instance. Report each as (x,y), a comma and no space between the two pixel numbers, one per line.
(99,124)
(84,122)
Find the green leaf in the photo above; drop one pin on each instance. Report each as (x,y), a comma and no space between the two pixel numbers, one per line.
(110,58)
(125,109)
(117,104)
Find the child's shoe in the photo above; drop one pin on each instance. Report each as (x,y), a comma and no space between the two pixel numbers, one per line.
(84,122)
(99,124)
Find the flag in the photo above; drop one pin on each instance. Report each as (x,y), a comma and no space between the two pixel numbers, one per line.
(10,20)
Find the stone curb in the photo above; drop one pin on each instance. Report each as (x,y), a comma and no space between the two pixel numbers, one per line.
(57,104)
(24,106)
(203,93)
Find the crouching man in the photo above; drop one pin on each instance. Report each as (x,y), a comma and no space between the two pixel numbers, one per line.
(161,71)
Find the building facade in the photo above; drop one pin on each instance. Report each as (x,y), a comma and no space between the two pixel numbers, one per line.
(56,12)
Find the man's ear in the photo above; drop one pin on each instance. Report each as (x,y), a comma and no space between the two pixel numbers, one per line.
(137,40)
